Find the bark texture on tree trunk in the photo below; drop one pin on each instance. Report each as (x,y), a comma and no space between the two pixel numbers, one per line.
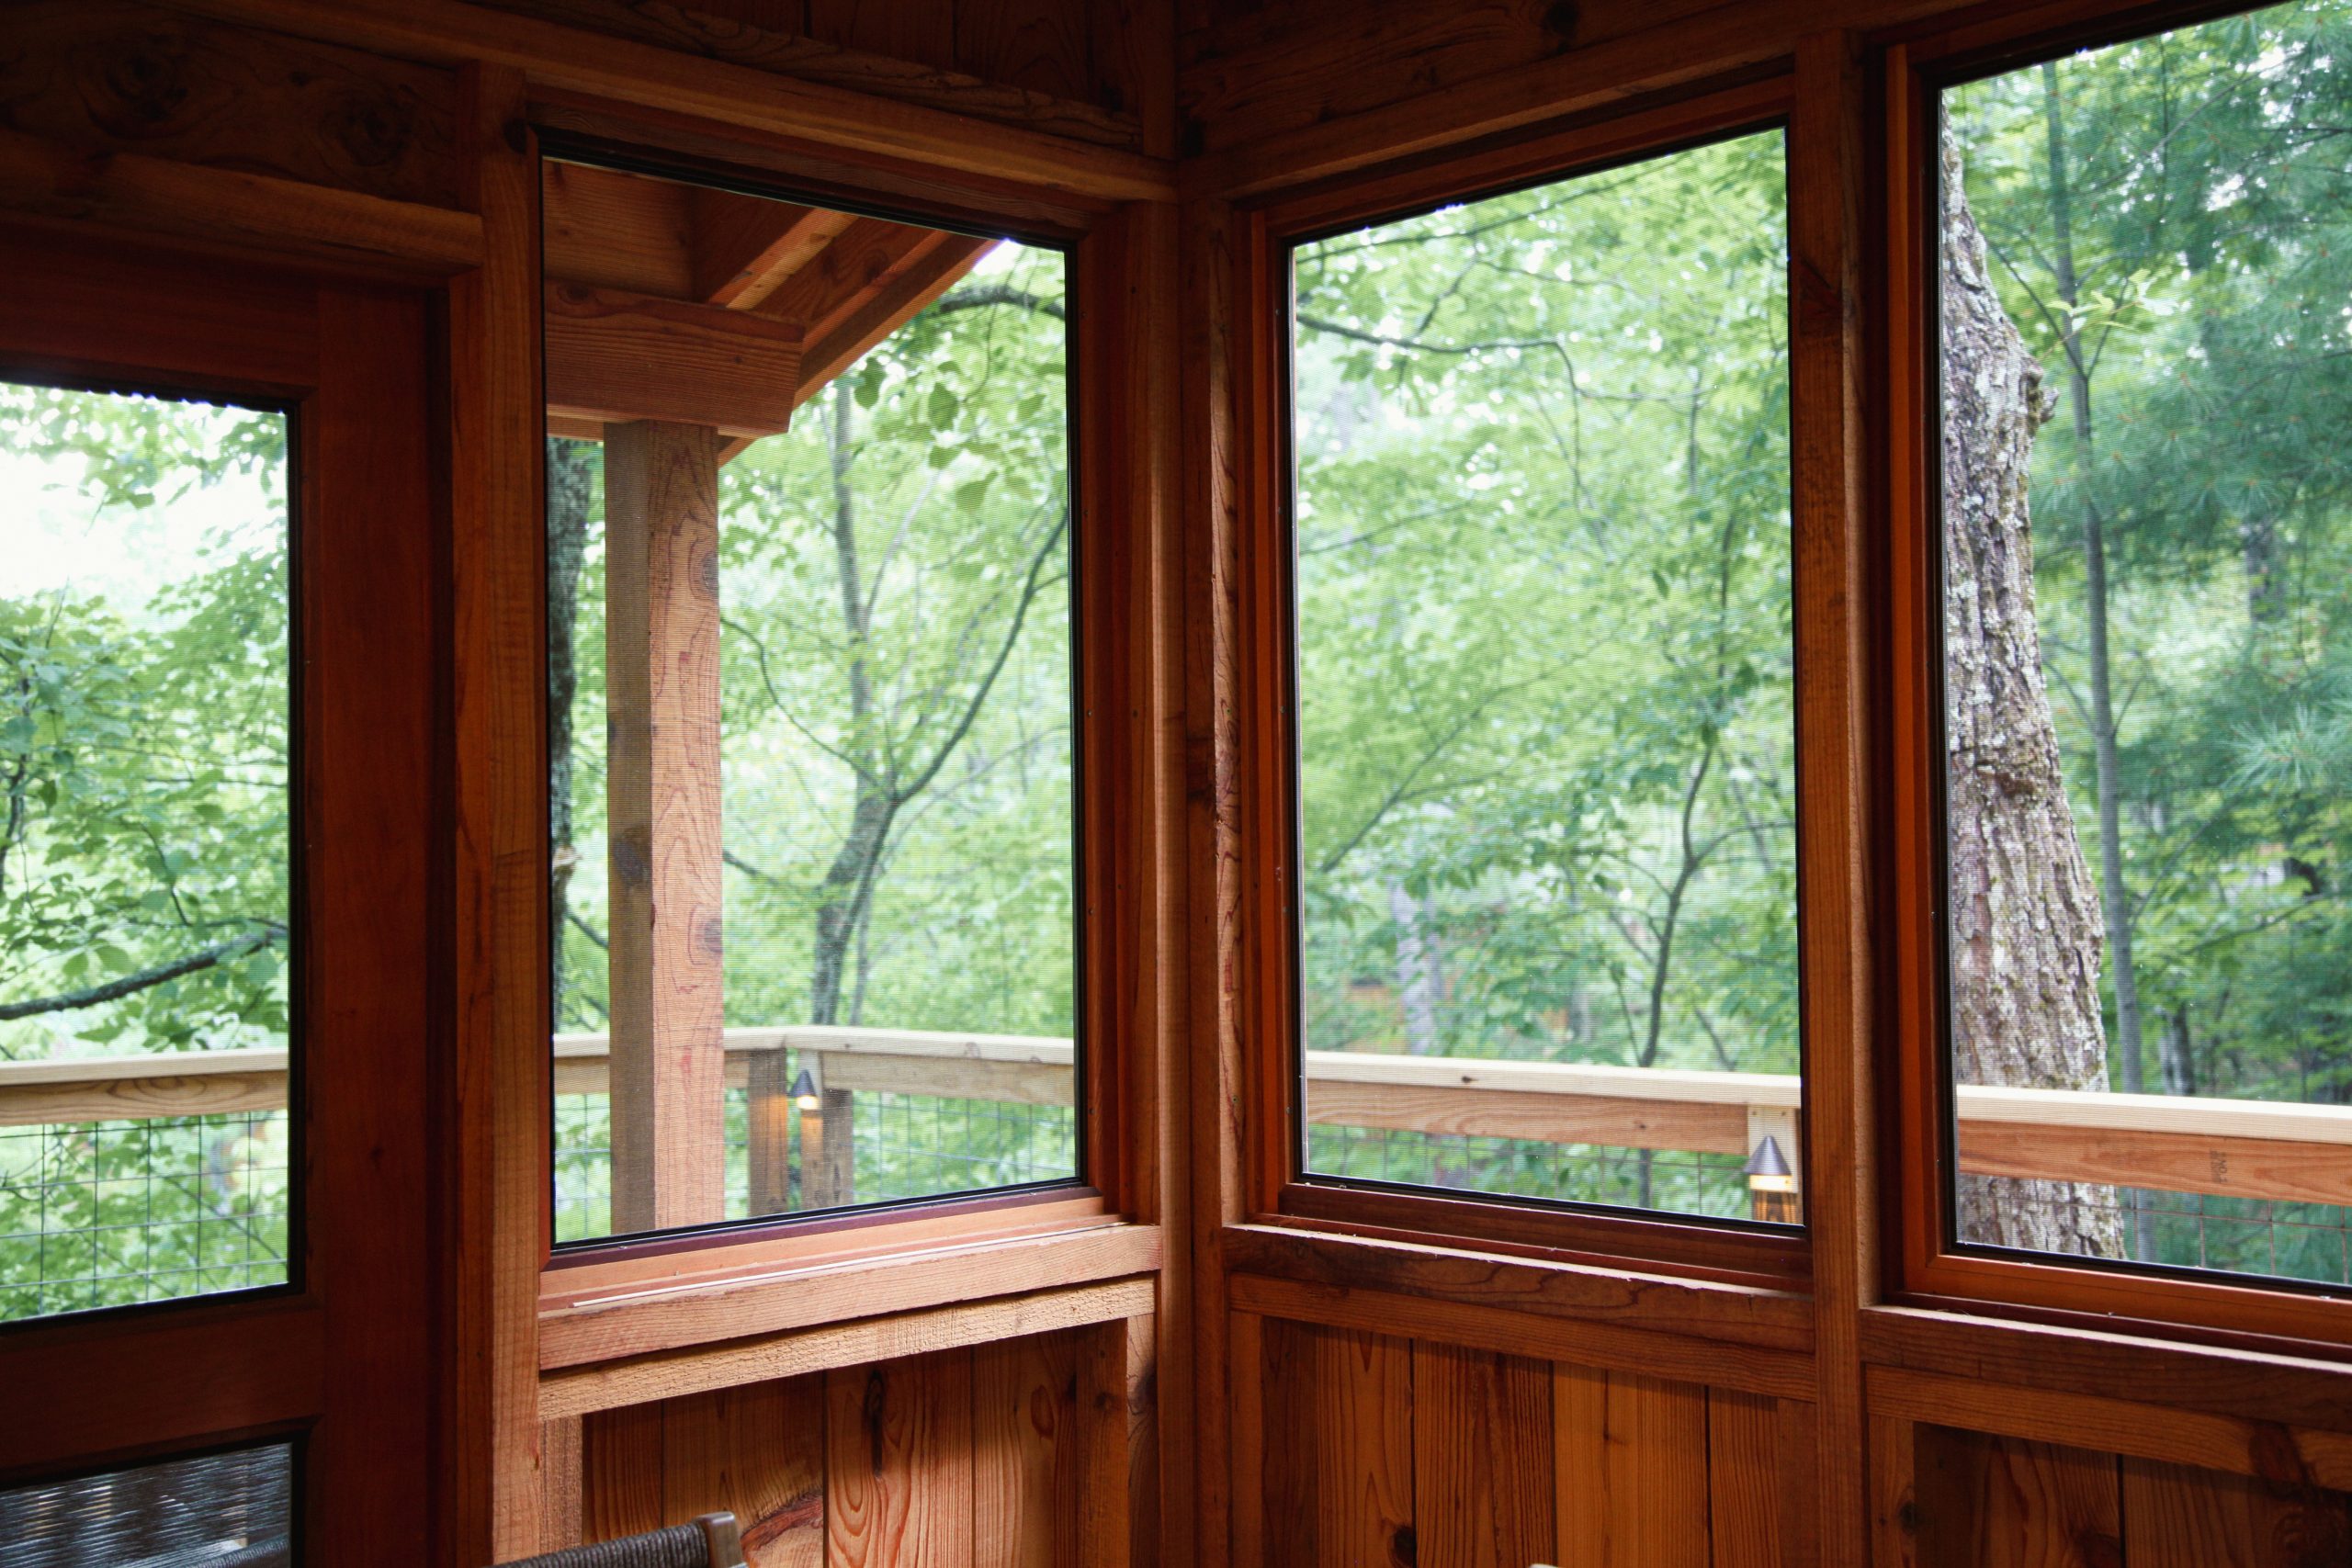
(2024,917)
(572,467)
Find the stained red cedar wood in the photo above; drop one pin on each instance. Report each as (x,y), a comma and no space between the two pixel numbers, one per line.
(116,76)
(1632,1470)
(1482,1459)
(1211,1194)
(2177,1516)
(1340,1411)
(771,38)
(1746,1446)
(1986,1501)
(560,1502)
(617,358)
(662,658)
(898,1470)
(919,30)
(631,73)
(1246,1388)
(849,332)
(499,1084)
(757,1453)
(744,246)
(1778,1372)
(1043,45)
(1891,1461)
(1120,1491)
(1837,955)
(621,1485)
(1027,1452)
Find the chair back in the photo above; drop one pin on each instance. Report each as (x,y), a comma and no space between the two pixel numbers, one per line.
(711,1542)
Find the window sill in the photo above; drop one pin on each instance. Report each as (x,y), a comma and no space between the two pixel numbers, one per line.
(597,1312)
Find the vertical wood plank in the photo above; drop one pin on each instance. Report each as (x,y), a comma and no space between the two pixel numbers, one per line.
(620,1472)
(1631,1470)
(1830,533)
(898,1463)
(662,679)
(757,1453)
(2175,1517)
(1338,1448)
(498,801)
(770,1114)
(1246,1383)
(560,1480)
(1987,1502)
(1894,1493)
(1025,1452)
(1483,1460)
(1118,1500)
(1745,1479)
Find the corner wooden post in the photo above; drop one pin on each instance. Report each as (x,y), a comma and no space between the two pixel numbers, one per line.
(1118,1483)
(669,1072)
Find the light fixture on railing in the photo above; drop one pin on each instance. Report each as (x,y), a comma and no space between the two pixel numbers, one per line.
(1772,1184)
(804,1091)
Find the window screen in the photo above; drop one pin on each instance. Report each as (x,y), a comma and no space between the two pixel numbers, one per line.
(231,1510)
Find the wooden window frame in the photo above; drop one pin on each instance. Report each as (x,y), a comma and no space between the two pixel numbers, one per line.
(1102,1223)
(1927,1267)
(1276,1190)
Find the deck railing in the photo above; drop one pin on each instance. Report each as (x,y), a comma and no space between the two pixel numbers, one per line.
(2285,1153)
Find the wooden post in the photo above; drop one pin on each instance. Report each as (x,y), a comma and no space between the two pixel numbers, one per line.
(662,792)
(828,1142)
(772,1110)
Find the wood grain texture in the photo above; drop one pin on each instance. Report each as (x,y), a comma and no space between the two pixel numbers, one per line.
(899,1464)
(617,358)
(1986,1501)
(1339,1415)
(1025,1452)
(758,1453)
(621,1485)
(661,785)
(1482,1459)
(1747,1448)
(116,76)
(2175,1516)
(1632,1470)
(1120,1480)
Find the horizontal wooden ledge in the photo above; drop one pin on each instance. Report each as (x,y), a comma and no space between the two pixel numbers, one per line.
(796,1352)
(249,212)
(1591,1296)
(1780,1374)
(646,1319)
(449,33)
(2275,1451)
(2254,1385)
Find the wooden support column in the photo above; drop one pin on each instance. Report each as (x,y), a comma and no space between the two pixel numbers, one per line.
(661,793)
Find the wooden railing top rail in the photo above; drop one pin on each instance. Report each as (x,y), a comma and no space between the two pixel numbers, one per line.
(2235,1147)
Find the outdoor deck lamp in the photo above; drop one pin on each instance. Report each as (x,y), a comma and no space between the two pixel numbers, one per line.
(804,1092)
(1772,1184)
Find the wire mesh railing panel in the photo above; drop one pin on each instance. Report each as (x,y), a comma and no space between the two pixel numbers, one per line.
(1521,1168)
(912,1146)
(2309,1242)
(113,1213)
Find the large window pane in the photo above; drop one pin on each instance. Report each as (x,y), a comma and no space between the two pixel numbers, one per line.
(2147,539)
(145,909)
(1545,732)
(811,683)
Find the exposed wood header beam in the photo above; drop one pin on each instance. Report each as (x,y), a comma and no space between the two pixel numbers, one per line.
(745,247)
(613,357)
(448,33)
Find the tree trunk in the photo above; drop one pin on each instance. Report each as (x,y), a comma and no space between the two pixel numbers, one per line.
(1419,984)
(571,480)
(2025,922)
(2179,1052)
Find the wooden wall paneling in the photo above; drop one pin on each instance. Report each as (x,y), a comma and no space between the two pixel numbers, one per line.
(626,71)
(1043,45)
(1630,1472)
(1122,1493)
(1798,1521)
(497,1103)
(1482,1459)
(1339,1457)
(1026,1450)
(1746,1475)
(1836,811)
(561,1522)
(2175,1516)
(662,658)
(1989,1501)
(919,30)
(756,1451)
(898,1463)
(621,1487)
(1245,1386)
(1893,1463)
(117,76)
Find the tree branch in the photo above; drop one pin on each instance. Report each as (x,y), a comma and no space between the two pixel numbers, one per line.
(142,979)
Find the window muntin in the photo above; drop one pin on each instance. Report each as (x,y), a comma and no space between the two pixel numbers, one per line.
(2146,651)
(145,863)
(1543,673)
(887,930)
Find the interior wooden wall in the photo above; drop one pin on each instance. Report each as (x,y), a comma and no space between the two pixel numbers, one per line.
(965,1458)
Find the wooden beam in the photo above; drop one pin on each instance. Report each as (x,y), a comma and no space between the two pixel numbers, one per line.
(229,209)
(605,1385)
(662,675)
(860,262)
(618,358)
(745,246)
(860,324)
(450,32)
